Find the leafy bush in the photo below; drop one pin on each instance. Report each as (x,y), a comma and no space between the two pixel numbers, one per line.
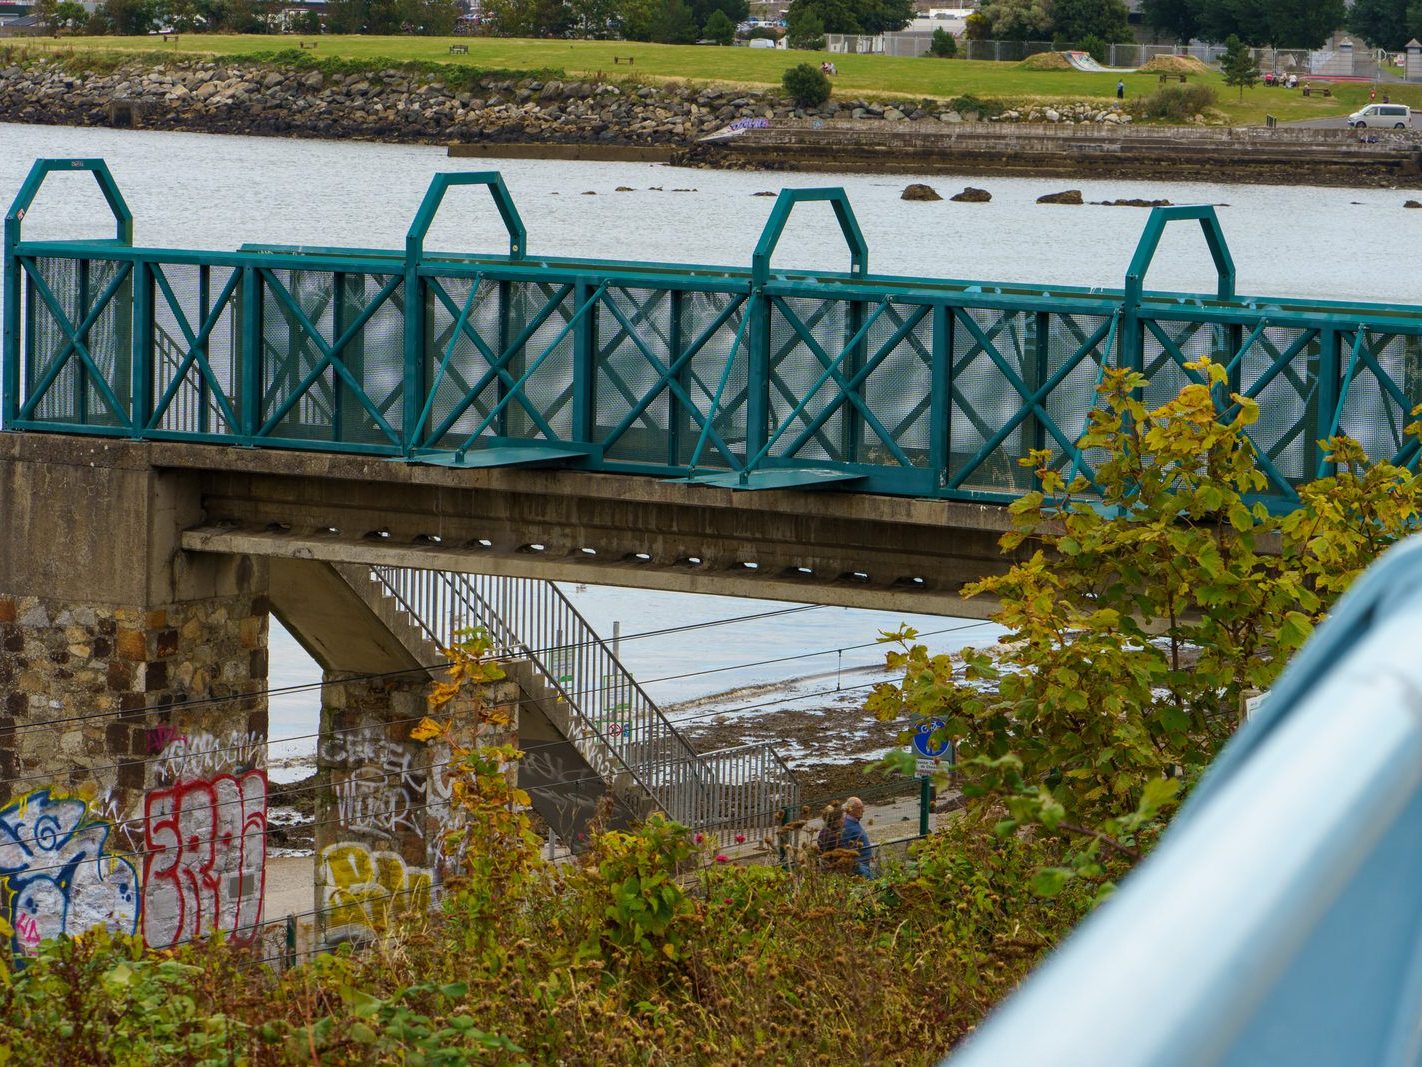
(1095,47)
(1175,102)
(944,45)
(969,102)
(806,31)
(719,28)
(807,85)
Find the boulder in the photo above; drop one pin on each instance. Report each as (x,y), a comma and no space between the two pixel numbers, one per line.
(919,191)
(1411,203)
(972,196)
(1068,196)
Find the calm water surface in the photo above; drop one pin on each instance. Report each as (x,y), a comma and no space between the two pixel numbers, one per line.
(207,191)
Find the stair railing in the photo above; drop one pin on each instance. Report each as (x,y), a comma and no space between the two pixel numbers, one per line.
(609,713)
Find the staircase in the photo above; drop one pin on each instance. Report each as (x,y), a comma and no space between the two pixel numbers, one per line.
(586,725)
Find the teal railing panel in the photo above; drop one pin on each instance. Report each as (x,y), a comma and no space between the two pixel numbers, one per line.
(1278,920)
(739,376)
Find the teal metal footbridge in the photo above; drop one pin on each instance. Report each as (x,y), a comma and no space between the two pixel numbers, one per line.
(747,378)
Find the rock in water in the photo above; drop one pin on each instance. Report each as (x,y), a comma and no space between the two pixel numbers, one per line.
(919,191)
(972,196)
(1412,203)
(1068,196)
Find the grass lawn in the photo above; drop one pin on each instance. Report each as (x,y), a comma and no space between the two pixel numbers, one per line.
(858,75)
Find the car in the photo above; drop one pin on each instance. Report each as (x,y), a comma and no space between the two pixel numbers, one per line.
(1397,116)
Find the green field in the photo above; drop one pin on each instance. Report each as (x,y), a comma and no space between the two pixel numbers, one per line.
(858,75)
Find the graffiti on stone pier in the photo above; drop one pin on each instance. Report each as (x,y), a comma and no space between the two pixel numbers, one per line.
(57,875)
(205,864)
(365,889)
(202,755)
(378,787)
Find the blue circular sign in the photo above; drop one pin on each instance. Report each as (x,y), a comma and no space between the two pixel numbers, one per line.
(923,742)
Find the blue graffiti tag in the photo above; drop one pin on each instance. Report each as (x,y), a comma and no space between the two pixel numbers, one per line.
(57,877)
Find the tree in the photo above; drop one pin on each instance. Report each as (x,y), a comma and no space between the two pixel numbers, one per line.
(836,16)
(1167,596)
(1018,20)
(675,24)
(883,16)
(1382,23)
(1238,65)
(735,10)
(44,10)
(1280,23)
(69,15)
(1079,19)
(129,18)
(944,45)
(1176,18)
(719,28)
(806,32)
(807,85)
(594,18)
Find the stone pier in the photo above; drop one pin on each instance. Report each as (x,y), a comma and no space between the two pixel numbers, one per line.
(135,714)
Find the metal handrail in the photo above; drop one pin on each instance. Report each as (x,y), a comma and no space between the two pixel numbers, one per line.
(612,720)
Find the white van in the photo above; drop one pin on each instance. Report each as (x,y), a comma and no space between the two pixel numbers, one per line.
(1395,115)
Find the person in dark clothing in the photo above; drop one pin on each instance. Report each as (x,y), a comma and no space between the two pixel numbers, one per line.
(854,836)
(1120,89)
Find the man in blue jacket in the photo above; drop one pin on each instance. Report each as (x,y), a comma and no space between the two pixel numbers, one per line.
(853,836)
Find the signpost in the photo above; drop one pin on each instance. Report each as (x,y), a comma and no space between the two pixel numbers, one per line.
(931,757)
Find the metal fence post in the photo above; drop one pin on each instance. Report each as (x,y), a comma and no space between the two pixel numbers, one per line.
(925,803)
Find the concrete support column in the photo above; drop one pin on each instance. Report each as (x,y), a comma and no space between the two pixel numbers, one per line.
(133,684)
(383,802)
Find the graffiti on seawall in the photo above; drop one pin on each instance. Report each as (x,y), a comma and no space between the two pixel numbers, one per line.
(57,876)
(365,889)
(205,841)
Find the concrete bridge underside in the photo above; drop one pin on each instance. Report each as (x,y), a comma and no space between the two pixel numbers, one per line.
(855,550)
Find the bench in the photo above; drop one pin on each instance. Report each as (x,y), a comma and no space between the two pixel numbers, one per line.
(308,44)
(1323,90)
(170,37)
(629,60)
(1166,77)
(459,49)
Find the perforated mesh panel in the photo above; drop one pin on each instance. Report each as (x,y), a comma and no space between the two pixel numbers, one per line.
(193,405)
(626,380)
(1288,414)
(548,392)
(1383,392)
(795,367)
(703,375)
(898,388)
(457,388)
(984,399)
(72,395)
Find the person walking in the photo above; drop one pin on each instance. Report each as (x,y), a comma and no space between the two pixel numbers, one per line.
(853,835)
(1120,89)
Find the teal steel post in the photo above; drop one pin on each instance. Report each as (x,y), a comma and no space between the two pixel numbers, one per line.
(1326,396)
(678,417)
(10,339)
(585,342)
(251,377)
(141,403)
(940,404)
(758,371)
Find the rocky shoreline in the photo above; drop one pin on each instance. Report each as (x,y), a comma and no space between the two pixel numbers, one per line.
(393,104)
(474,113)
